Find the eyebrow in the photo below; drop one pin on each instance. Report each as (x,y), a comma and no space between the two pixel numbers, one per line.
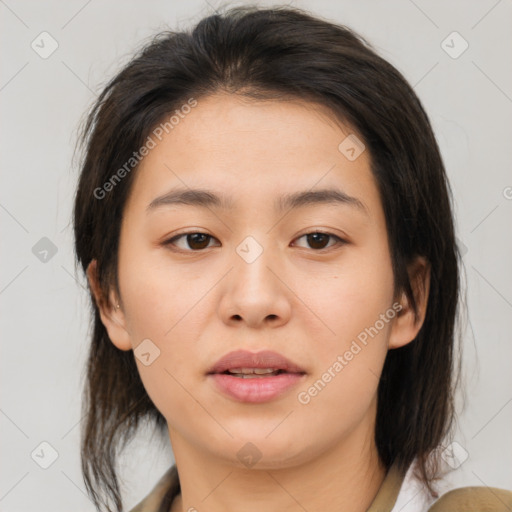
(206,199)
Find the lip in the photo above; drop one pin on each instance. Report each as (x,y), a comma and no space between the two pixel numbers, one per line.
(257,389)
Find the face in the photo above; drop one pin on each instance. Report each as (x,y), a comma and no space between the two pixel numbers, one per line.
(311,280)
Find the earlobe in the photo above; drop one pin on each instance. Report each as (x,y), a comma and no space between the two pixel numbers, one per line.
(409,320)
(112,317)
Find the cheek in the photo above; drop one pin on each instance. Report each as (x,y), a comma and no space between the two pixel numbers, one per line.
(349,299)
(163,317)
(350,334)
(159,296)
(173,341)
(347,365)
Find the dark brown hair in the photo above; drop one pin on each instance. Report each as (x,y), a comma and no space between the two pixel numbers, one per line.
(277,53)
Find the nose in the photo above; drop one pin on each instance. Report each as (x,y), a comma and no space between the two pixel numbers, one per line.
(255,293)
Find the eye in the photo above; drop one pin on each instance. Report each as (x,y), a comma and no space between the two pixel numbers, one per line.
(318,239)
(195,241)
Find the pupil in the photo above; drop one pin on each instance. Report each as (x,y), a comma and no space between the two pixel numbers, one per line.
(193,243)
(313,239)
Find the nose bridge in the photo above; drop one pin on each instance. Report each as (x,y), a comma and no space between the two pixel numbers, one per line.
(253,293)
(253,257)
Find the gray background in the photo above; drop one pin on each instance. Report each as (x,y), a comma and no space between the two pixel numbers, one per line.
(44,307)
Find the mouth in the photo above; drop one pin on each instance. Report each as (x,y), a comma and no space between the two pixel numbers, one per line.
(253,373)
(255,377)
(245,364)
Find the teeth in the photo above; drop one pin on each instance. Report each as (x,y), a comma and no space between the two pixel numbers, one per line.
(258,371)
(253,375)
(249,373)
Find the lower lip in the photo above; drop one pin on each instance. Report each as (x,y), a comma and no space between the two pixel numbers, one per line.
(256,389)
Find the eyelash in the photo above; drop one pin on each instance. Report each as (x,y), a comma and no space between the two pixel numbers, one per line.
(172,240)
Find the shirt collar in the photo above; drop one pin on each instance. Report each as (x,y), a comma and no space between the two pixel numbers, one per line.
(384,500)
(387,494)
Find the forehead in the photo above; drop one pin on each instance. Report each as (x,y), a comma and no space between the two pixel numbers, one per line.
(254,149)
(220,118)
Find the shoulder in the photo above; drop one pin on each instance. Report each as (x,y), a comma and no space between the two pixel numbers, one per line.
(413,497)
(477,499)
(167,486)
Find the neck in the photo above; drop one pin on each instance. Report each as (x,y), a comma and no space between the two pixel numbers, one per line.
(345,477)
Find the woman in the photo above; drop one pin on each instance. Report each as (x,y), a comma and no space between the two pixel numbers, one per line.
(264,218)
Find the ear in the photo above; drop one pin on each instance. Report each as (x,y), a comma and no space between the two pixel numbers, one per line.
(408,322)
(112,317)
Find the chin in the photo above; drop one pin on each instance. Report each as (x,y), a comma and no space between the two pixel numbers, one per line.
(261,452)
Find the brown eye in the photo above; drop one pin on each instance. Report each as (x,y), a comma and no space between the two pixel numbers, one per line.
(196,241)
(319,240)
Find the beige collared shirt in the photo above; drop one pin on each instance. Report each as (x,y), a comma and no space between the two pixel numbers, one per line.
(394,485)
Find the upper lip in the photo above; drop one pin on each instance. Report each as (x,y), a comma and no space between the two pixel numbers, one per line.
(263,359)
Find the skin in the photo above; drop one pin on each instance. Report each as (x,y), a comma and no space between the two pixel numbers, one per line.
(296,298)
